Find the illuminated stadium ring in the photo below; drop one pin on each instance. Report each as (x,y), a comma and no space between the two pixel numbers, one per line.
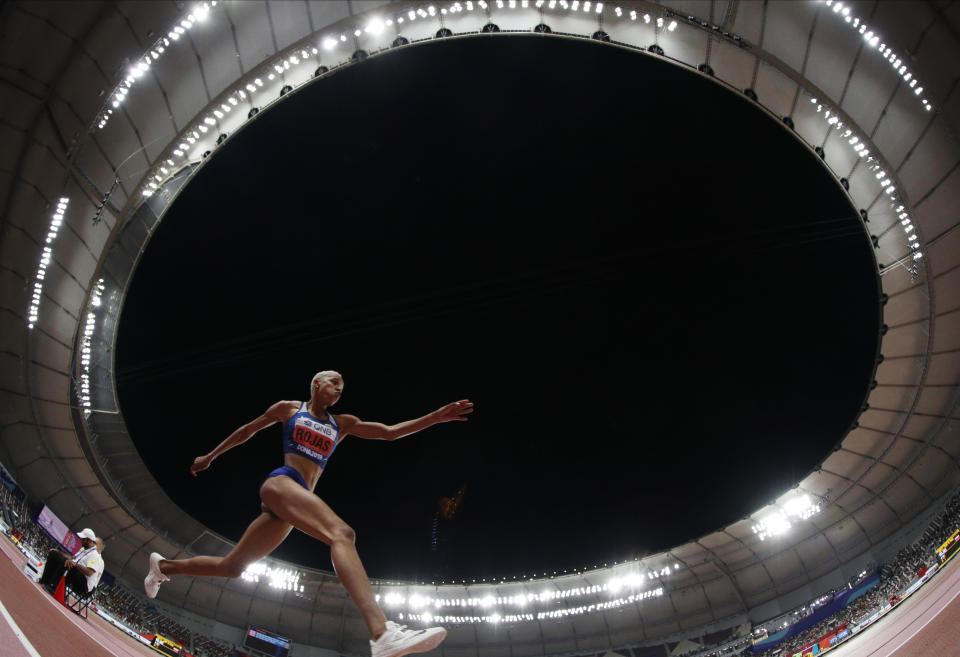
(861,117)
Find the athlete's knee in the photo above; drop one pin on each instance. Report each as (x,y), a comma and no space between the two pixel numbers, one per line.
(343,533)
(230,568)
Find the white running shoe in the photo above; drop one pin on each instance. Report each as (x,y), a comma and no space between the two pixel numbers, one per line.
(153,580)
(398,640)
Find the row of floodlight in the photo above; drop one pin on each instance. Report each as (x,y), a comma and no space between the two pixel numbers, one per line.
(85,348)
(777,522)
(887,185)
(873,39)
(289,580)
(601,606)
(33,310)
(415,603)
(153,53)
(494,618)
(285,579)
(376,25)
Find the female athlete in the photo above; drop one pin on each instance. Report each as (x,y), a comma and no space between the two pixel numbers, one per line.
(310,434)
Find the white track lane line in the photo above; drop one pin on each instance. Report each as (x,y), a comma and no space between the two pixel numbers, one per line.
(19,634)
(928,621)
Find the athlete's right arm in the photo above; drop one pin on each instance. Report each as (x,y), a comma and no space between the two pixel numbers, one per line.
(276,413)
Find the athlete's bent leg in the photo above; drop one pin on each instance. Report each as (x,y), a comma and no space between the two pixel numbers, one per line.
(314,517)
(260,539)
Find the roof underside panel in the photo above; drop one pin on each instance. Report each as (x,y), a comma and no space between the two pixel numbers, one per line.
(832,55)
(937,210)
(733,64)
(290,22)
(901,372)
(722,597)
(933,159)
(788,24)
(693,607)
(929,470)
(687,46)
(248,19)
(221,66)
(899,127)
(812,551)
(775,90)
(869,89)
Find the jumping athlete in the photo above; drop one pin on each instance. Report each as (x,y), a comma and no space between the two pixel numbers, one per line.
(310,434)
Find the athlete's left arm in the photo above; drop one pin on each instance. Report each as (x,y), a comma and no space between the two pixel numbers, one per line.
(454,412)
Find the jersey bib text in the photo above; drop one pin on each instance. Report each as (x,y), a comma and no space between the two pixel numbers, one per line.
(316,436)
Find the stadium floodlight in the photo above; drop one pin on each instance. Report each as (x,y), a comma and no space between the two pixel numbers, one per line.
(417,601)
(773,524)
(278,578)
(393,599)
(802,507)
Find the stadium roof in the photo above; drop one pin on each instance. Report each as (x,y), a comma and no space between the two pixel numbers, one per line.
(107,109)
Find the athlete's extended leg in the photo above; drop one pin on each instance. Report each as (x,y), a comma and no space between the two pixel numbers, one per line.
(314,517)
(261,538)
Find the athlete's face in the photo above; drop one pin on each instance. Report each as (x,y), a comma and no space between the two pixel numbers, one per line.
(329,390)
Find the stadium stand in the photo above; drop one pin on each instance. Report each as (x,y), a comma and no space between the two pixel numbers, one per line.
(872,591)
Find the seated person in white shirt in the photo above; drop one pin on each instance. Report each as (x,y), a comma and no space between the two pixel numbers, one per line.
(83,570)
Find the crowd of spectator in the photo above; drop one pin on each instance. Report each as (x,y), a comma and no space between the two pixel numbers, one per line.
(16,514)
(122,605)
(125,606)
(142,617)
(14,510)
(910,563)
(850,615)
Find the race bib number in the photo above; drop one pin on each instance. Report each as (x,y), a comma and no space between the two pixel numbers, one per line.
(316,436)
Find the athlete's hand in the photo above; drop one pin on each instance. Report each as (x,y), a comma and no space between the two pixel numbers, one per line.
(454,412)
(200,463)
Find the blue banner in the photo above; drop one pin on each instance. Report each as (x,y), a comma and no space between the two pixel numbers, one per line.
(840,601)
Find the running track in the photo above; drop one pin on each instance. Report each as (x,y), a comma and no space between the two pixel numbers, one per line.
(925,625)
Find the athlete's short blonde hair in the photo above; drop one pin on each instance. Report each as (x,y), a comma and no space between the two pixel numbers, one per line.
(320,376)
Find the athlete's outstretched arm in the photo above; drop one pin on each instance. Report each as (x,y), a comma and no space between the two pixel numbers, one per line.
(455,412)
(240,436)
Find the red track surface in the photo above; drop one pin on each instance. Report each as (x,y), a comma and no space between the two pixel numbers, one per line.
(52,629)
(925,625)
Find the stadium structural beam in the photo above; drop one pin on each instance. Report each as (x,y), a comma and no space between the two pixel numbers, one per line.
(722,569)
(713,612)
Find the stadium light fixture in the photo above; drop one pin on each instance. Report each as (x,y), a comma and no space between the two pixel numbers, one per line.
(33,311)
(773,524)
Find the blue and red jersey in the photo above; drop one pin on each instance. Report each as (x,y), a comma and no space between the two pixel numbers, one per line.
(305,435)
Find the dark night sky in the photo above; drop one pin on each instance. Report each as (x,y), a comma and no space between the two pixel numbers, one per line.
(662,306)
